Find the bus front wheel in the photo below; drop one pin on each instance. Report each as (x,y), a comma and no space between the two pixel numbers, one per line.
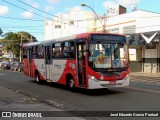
(70,82)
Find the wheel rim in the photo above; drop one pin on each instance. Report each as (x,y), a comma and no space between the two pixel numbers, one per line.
(71,83)
(37,78)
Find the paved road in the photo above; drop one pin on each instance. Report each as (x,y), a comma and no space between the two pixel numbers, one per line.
(139,96)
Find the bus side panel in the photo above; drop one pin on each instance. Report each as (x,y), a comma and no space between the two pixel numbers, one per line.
(38,65)
(32,68)
(25,66)
(70,68)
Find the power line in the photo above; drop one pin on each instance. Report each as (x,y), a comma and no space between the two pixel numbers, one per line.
(49,13)
(34,13)
(20,18)
(10,26)
(26,10)
(26,28)
(43,20)
(37,8)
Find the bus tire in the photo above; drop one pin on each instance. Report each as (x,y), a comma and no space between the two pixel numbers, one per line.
(70,82)
(38,78)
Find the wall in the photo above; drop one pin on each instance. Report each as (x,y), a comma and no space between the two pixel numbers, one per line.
(136,60)
(150,60)
(71,23)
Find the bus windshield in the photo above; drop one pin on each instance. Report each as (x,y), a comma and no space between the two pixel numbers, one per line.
(108,55)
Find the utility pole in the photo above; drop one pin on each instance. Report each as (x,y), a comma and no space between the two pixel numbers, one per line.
(21,49)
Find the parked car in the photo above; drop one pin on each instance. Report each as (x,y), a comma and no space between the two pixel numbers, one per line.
(17,66)
(5,65)
(20,67)
(1,64)
(14,65)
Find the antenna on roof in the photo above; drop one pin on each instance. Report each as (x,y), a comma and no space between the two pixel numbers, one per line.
(134,7)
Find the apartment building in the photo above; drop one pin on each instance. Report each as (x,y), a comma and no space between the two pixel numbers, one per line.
(70,23)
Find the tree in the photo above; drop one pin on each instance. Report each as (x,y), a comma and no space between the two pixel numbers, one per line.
(13,41)
(26,37)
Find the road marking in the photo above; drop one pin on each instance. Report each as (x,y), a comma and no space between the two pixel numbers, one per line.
(2,74)
(141,89)
(150,81)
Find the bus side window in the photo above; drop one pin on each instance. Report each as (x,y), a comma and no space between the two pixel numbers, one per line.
(40,51)
(71,53)
(35,52)
(57,50)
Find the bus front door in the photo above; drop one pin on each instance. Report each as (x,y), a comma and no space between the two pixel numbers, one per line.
(80,57)
(48,61)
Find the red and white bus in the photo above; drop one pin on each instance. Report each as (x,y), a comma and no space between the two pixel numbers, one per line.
(87,60)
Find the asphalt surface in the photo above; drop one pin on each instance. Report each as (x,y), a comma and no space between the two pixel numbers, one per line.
(141,95)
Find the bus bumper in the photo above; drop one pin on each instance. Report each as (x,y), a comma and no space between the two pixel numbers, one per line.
(97,84)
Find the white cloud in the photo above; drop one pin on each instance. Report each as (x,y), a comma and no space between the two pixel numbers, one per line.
(27,14)
(125,3)
(53,1)
(36,5)
(108,3)
(48,8)
(33,4)
(76,8)
(3,10)
(128,3)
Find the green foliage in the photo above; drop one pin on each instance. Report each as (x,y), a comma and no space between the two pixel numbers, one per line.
(4,58)
(13,41)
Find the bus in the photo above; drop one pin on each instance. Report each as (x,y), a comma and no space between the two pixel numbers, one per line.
(86,60)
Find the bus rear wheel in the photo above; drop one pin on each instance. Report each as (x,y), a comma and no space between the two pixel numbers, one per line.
(38,79)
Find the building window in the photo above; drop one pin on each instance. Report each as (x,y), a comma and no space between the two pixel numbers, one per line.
(132,54)
(57,26)
(71,22)
(46,23)
(129,29)
(115,30)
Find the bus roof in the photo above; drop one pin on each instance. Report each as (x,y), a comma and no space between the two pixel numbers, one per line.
(72,37)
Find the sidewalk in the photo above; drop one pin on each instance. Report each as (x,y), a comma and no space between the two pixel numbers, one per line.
(157,75)
(145,77)
(11,100)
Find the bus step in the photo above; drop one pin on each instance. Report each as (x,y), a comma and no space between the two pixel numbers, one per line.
(82,86)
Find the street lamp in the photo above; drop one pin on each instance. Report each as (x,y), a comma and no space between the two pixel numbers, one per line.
(83,5)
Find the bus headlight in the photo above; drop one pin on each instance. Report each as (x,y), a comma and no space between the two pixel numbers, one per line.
(93,78)
(127,77)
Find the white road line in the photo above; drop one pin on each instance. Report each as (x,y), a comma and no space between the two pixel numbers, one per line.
(2,74)
(151,81)
(141,89)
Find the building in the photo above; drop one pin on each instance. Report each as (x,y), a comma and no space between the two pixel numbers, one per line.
(143,32)
(70,23)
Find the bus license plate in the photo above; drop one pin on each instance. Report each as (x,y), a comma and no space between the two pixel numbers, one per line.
(112,82)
